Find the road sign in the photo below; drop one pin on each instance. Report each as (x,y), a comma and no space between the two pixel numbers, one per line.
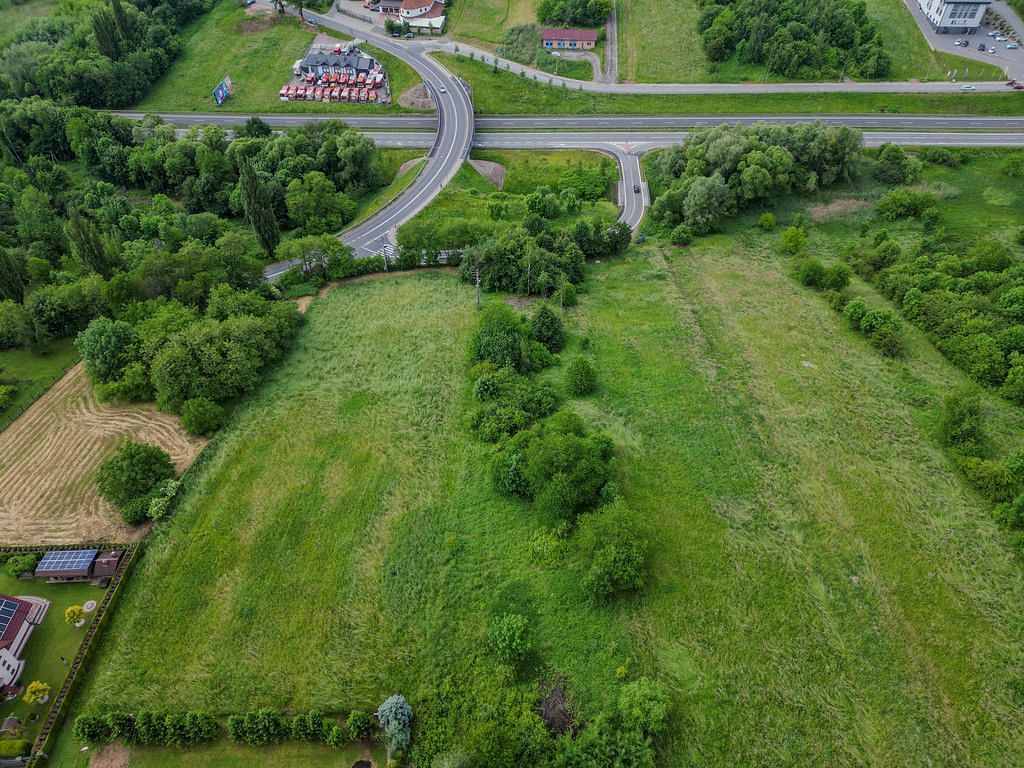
(220,93)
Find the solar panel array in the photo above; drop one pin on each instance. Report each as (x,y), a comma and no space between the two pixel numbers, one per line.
(66,560)
(7,610)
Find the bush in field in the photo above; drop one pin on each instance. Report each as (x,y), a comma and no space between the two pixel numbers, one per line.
(962,426)
(200,416)
(992,479)
(547,328)
(395,718)
(767,222)
(854,312)
(893,166)
(7,393)
(930,218)
(643,706)
(500,338)
(883,330)
(580,377)
(92,729)
(74,614)
(132,472)
(568,295)
(11,748)
(510,638)
(25,562)
(905,203)
(309,726)
(617,549)
(359,725)
(681,235)
(811,272)
(150,726)
(263,726)
(793,240)
(1013,385)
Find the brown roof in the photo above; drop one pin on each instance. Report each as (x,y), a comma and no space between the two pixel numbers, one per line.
(412,5)
(579,35)
(15,614)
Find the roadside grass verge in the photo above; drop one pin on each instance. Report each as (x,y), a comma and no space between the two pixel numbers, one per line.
(257,52)
(484,22)
(32,373)
(503,93)
(398,184)
(527,170)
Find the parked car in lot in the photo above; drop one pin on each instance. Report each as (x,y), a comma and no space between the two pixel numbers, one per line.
(981,46)
(1013,46)
(992,33)
(991,50)
(1001,38)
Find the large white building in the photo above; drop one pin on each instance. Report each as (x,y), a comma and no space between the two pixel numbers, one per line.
(959,17)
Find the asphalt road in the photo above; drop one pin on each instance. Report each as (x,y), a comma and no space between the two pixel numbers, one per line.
(599,122)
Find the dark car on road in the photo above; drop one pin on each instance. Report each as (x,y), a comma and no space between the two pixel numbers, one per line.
(636,188)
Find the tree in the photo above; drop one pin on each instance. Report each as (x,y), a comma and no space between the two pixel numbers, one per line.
(707,202)
(580,377)
(12,277)
(509,638)
(395,717)
(547,328)
(21,563)
(893,166)
(74,615)
(200,416)
(36,692)
(793,240)
(314,203)
(107,346)
(133,471)
(258,207)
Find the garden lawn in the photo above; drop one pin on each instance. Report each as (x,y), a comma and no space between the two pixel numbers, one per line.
(484,22)
(503,93)
(49,641)
(33,374)
(257,52)
(14,17)
(674,54)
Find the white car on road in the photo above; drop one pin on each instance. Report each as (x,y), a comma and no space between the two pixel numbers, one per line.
(966,87)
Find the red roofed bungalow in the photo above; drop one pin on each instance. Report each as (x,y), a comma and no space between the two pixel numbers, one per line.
(18,617)
(569,39)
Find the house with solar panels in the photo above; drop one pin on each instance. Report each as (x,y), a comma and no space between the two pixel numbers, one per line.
(75,565)
(18,617)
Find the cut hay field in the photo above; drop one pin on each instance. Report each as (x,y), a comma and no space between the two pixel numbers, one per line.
(824,590)
(49,456)
(674,52)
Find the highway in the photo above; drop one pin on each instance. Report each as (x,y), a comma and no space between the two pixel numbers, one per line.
(599,122)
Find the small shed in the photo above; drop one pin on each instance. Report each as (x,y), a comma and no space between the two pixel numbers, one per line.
(106,564)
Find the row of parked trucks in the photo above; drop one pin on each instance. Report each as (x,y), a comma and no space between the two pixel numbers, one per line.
(326,93)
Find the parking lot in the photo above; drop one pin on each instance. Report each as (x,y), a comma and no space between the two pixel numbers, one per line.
(337,72)
(980,46)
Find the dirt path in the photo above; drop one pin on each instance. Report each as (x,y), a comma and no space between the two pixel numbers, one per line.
(49,456)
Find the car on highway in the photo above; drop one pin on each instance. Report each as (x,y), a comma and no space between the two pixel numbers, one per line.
(442,89)
(966,87)
(636,189)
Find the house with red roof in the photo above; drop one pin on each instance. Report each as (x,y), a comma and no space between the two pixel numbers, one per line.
(18,617)
(426,14)
(569,39)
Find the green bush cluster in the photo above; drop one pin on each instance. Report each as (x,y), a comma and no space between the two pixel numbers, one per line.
(201,416)
(509,638)
(881,326)
(262,726)
(19,563)
(7,393)
(617,549)
(904,204)
(133,472)
(812,273)
(149,727)
(509,403)
(580,377)
(505,339)
(11,748)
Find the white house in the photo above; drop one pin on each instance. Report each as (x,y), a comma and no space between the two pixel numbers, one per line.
(423,14)
(959,17)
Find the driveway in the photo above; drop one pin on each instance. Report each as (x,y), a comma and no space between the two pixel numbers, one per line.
(1011,61)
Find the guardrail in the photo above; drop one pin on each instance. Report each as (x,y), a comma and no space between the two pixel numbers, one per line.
(9,416)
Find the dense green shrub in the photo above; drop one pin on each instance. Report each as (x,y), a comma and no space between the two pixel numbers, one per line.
(509,638)
(617,551)
(309,726)
(567,295)
(993,479)
(793,240)
(894,167)
(681,235)
(107,346)
(767,222)
(200,416)
(580,377)
(855,311)
(132,472)
(359,725)
(558,464)
(7,393)
(904,203)
(547,328)
(15,325)
(11,748)
(643,706)
(811,272)
(23,562)
(961,426)
(509,403)
(263,726)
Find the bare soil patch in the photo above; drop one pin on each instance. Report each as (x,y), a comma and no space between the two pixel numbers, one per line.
(49,456)
(493,172)
(261,22)
(303,303)
(837,208)
(416,97)
(111,756)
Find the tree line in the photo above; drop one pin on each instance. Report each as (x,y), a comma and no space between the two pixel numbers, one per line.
(806,39)
(108,57)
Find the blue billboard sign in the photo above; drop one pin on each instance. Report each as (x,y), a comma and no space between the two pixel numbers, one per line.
(220,93)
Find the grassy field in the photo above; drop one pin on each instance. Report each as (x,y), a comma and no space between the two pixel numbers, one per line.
(393,160)
(675,53)
(50,641)
(484,22)
(14,17)
(257,52)
(502,93)
(31,373)
(466,196)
